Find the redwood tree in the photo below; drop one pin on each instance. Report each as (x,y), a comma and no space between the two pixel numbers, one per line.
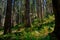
(56,9)
(27,14)
(7,24)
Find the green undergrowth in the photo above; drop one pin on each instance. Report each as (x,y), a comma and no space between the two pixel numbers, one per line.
(38,31)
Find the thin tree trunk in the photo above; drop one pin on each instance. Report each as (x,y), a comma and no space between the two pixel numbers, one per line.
(14,14)
(39,9)
(32,10)
(37,3)
(42,10)
(0,21)
(0,17)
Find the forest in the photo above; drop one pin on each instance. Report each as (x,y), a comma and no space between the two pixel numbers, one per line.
(29,20)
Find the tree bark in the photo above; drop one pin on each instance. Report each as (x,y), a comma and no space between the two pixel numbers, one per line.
(0,17)
(56,9)
(7,24)
(0,21)
(27,14)
(38,8)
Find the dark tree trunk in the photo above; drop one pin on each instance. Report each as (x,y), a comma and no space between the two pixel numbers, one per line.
(56,9)
(17,18)
(0,17)
(0,20)
(27,14)
(7,25)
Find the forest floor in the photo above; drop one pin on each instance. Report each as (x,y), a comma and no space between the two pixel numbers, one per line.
(36,32)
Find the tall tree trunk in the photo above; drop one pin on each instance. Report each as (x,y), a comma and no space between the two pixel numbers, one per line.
(0,21)
(14,14)
(32,10)
(18,12)
(38,7)
(7,25)
(27,14)
(0,17)
(56,9)
(42,10)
